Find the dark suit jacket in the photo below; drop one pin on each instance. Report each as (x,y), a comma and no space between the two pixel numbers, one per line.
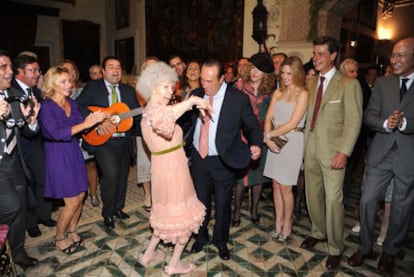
(25,130)
(34,142)
(384,100)
(95,93)
(236,116)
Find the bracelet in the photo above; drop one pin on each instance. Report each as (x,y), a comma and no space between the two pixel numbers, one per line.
(268,136)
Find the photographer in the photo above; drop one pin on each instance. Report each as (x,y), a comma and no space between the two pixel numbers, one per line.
(27,74)
(15,117)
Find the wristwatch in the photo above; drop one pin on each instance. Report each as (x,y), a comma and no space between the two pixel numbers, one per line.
(268,136)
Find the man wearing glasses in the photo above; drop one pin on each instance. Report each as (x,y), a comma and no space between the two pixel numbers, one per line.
(390,113)
(15,118)
(27,74)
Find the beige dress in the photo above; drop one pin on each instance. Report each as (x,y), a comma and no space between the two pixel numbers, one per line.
(284,167)
(176,211)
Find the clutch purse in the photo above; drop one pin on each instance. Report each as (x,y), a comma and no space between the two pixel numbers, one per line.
(279,140)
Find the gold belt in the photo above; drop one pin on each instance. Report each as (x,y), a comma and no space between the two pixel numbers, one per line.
(169,149)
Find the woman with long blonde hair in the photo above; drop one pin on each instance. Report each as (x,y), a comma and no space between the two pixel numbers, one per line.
(287,108)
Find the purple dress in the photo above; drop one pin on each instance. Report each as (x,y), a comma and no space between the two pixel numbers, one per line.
(65,174)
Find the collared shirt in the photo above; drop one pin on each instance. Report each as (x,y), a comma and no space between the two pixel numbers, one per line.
(403,124)
(109,88)
(212,131)
(23,86)
(409,82)
(328,76)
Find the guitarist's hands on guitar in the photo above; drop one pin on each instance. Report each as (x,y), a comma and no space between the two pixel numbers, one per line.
(107,127)
(118,118)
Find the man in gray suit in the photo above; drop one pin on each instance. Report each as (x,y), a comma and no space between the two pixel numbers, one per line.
(390,113)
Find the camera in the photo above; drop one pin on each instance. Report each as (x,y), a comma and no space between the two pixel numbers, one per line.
(25,100)
(22,99)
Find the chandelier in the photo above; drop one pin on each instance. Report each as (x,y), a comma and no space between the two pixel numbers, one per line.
(387,9)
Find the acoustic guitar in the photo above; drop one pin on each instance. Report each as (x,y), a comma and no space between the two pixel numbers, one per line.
(121,116)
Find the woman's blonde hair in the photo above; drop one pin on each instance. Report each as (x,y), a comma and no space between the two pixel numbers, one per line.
(51,79)
(298,75)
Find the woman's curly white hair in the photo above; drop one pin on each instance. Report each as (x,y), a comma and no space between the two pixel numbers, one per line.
(152,76)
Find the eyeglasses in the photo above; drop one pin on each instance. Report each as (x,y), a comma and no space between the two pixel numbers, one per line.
(177,64)
(34,70)
(398,56)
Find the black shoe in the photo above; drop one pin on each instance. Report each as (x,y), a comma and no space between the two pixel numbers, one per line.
(235,223)
(27,261)
(34,231)
(223,252)
(197,246)
(109,223)
(120,214)
(47,222)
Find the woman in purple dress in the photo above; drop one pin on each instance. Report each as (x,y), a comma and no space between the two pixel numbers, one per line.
(65,177)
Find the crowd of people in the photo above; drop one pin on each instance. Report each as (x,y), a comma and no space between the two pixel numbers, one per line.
(202,133)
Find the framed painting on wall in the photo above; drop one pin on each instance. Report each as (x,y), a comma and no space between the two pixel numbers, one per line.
(121,14)
(204,29)
(124,50)
(367,13)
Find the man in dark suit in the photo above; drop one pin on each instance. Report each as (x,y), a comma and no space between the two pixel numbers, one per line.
(15,118)
(27,74)
(215,162)
(114,156)
(278,59)
(390,113)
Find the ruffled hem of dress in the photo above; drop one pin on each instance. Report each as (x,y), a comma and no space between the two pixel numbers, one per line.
(178,229)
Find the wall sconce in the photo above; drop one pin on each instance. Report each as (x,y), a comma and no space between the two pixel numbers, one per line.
(384,33)
(259,23)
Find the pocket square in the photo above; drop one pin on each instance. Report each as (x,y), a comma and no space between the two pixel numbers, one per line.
(334,101)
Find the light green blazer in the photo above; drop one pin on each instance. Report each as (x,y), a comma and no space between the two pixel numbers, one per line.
(339,119)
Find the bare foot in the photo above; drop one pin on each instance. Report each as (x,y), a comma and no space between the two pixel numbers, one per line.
(181,268)
(145,260)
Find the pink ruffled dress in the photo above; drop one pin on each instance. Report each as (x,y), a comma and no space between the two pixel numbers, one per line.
(176,211)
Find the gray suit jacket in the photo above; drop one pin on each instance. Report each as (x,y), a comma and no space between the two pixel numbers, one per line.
(384,100)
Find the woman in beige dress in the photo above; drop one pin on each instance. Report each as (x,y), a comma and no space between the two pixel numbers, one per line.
(287,107)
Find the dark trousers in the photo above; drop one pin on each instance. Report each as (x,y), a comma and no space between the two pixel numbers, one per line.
(113,160)
(376,180)
(12,202)
(212,176)
(43,209)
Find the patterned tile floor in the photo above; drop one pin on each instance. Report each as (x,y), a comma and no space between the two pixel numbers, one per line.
(253,251)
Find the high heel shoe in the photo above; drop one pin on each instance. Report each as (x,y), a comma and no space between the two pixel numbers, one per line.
(67,250)
(79,242)
(274,234)
(282,238)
